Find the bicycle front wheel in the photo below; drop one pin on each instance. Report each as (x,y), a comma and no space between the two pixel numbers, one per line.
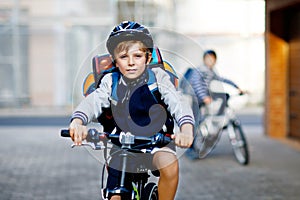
(238,142)
(150,192)
(206,141)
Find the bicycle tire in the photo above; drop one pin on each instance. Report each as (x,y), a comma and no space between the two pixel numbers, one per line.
(150,192)
(239,143)
(209,142)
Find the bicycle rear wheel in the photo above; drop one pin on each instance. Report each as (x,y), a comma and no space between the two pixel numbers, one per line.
(150,192)
(238,142)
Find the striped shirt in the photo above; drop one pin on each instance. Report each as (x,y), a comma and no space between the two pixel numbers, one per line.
(200,80)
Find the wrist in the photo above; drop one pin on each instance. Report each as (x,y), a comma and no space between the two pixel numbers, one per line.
(77,121)
(187,128)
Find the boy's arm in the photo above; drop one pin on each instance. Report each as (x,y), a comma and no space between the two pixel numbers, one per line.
(88,109)
(225,80)
(91,106)
(199,86)
(178,108)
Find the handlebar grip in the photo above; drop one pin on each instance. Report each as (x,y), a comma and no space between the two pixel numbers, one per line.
(65,133)
(167,140)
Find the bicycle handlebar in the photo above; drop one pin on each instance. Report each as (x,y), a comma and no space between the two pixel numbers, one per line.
(65,133)
(127,140)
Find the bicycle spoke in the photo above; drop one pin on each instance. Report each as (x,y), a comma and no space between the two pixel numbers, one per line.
(237,144)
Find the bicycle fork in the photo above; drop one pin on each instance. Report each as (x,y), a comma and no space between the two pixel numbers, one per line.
(232,135)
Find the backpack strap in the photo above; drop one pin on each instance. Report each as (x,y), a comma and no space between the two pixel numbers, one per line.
(115,78)
(153,86)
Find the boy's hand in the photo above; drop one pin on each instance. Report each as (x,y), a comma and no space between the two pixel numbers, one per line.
(185,137)
(207,100)
(241,92)
(78,132)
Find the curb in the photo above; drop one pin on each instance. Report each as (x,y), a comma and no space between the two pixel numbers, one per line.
(36,112)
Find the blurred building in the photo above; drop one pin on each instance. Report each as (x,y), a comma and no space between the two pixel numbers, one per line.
(46,46)
(282,114)
(44,42)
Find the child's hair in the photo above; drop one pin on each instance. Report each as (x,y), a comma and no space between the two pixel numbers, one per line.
(125,45)
(210,52)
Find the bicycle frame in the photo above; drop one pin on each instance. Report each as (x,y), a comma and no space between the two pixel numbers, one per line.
(129,143)
(127,140)
(211,126)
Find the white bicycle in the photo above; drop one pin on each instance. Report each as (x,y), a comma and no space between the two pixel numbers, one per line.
(210,128)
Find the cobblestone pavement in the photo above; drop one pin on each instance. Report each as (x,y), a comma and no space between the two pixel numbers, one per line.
(37,164)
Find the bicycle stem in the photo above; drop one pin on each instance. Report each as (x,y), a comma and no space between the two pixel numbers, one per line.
(124,155)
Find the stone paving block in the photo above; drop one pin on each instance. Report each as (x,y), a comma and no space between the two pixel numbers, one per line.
(37,164)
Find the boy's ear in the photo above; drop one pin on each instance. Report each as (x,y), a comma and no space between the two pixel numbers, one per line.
(149,57)
(111,57)
(113,60)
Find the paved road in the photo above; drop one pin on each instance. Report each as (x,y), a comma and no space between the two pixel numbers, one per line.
(37,164)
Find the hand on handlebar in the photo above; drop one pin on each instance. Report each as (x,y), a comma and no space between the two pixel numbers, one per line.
(94,138)
(185,137)
(242,92)
(207,100)
(78,132)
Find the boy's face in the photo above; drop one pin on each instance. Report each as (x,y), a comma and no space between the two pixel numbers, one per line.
(210,61)
(131,62)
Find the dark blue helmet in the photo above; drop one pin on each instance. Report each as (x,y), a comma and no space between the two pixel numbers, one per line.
(128,30)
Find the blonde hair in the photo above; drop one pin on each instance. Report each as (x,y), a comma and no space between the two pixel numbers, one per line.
(125,45)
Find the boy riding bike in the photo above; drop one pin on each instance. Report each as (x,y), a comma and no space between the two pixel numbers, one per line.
(134,107)
(200,80)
